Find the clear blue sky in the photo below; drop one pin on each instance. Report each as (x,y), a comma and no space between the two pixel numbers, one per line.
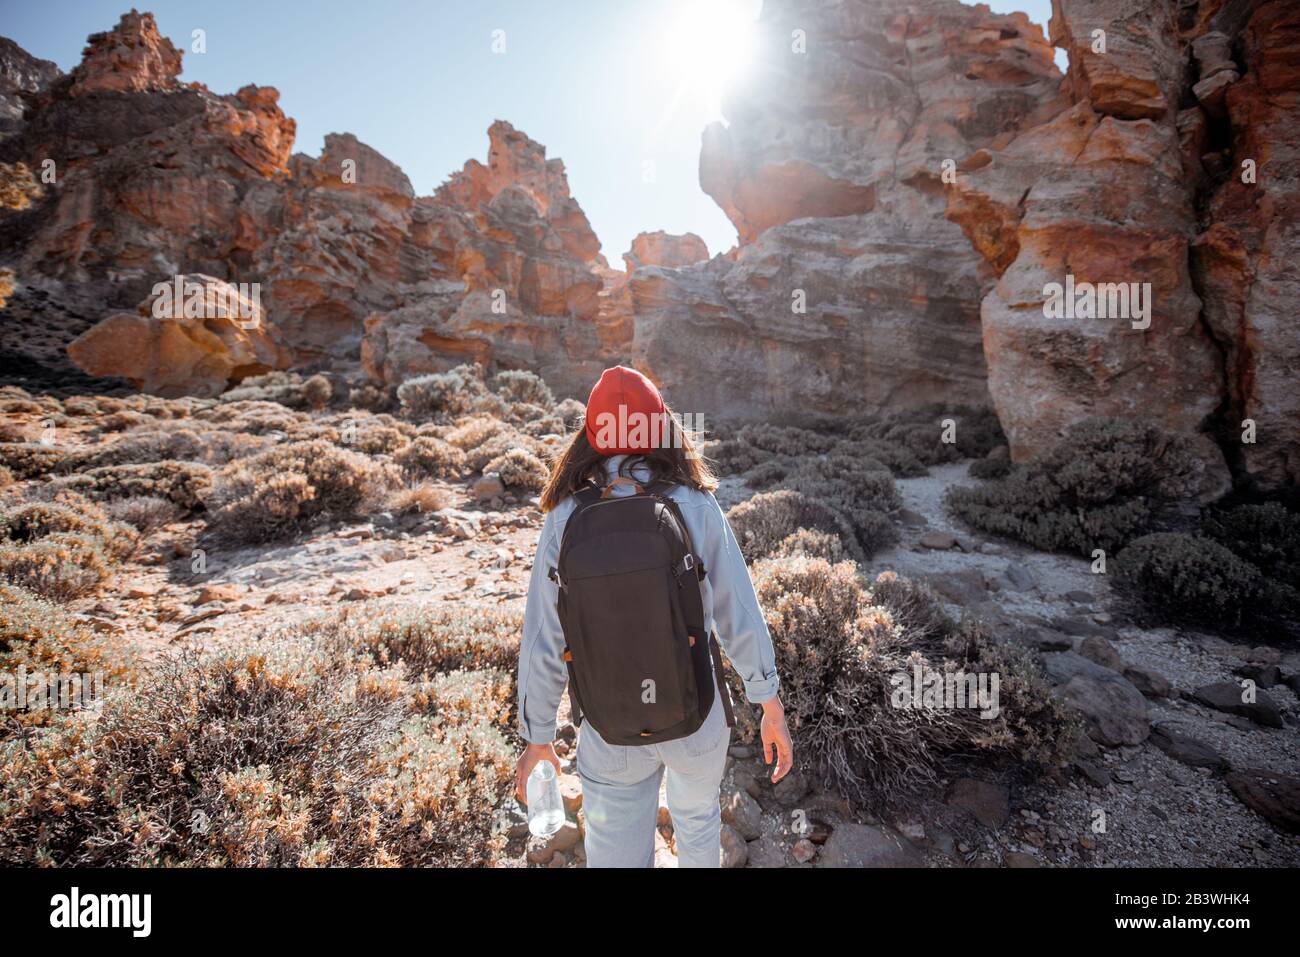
(609,86)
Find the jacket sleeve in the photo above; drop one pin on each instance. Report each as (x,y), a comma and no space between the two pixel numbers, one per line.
(742,632)
(542,673)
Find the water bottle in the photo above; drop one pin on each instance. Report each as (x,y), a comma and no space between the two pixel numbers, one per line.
(545,806)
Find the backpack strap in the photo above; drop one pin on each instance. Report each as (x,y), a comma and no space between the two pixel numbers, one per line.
(723,691)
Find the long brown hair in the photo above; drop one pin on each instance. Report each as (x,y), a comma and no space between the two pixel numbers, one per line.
(675,460)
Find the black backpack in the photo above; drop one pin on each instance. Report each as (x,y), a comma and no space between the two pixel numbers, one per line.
(642,669)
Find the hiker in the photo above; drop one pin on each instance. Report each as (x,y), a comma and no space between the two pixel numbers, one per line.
(637,579)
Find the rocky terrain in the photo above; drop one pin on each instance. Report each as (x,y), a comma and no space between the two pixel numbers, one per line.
(905,178)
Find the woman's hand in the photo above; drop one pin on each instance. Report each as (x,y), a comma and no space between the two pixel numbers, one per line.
(527,761)
(776,738)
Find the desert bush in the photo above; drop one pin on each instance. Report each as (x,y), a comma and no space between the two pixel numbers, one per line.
(185,484)
(459,391)
(209,446)
(921,432)
(835,652)
(145,513)
(253,416)
(991,467)
(811,544)
(423,497)
(6,477)
(42,637)
(521,386)
(60,566)
(286,388)
(1191,579)
(28,460)
(429,457)
(764,521)
(71,513)
(842,650)
(1100,487)
(572,413)
(1265,535)
(519,469)
(1033,725)
(275,754)
(280,491)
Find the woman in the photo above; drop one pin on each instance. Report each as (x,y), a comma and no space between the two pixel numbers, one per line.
(631,444)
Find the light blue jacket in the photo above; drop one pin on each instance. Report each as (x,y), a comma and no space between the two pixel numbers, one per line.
(730,609)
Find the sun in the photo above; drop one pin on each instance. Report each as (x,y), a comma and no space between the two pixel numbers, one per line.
(711,48)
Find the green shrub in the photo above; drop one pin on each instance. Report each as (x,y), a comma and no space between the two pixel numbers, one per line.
(1100,487)
(1267,536)
(1191,579)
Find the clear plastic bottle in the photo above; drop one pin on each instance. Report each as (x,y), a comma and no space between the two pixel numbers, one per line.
(545,806)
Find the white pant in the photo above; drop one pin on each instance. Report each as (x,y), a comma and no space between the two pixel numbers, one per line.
(620,795)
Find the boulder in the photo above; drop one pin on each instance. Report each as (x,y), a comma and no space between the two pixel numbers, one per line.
(867,845)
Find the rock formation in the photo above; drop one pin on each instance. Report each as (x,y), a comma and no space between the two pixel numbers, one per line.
(907,179)
(1113,189)
(850,289)
(191,342)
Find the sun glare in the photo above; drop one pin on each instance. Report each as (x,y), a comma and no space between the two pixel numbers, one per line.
(711,46)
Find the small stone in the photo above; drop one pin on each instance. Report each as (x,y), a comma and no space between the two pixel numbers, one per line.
(940,541)
(209,593)
(735,852)
(987,803)
(804,851)
(1019,859)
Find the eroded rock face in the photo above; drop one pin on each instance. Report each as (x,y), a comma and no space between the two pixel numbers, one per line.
(21,75)
(1097,194)
(1244,261)
(158,178)
(850,290)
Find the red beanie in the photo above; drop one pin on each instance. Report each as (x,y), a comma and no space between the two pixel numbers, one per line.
(625,413)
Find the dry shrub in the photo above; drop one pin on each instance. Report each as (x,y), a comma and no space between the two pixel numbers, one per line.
(572,413)
(70,513)
(518,386)
(42,637)
(184,484)
(442,395)
(283,753)
(764,521)
(145,513)
(6,477)
(920,433)
(1101,486)
(519,469)
(423,498)
(209,446)
(253,417)
(61,565)
(429,457)
(284,489)
(32,459)
(286,388)
(811,544)
(841,650)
